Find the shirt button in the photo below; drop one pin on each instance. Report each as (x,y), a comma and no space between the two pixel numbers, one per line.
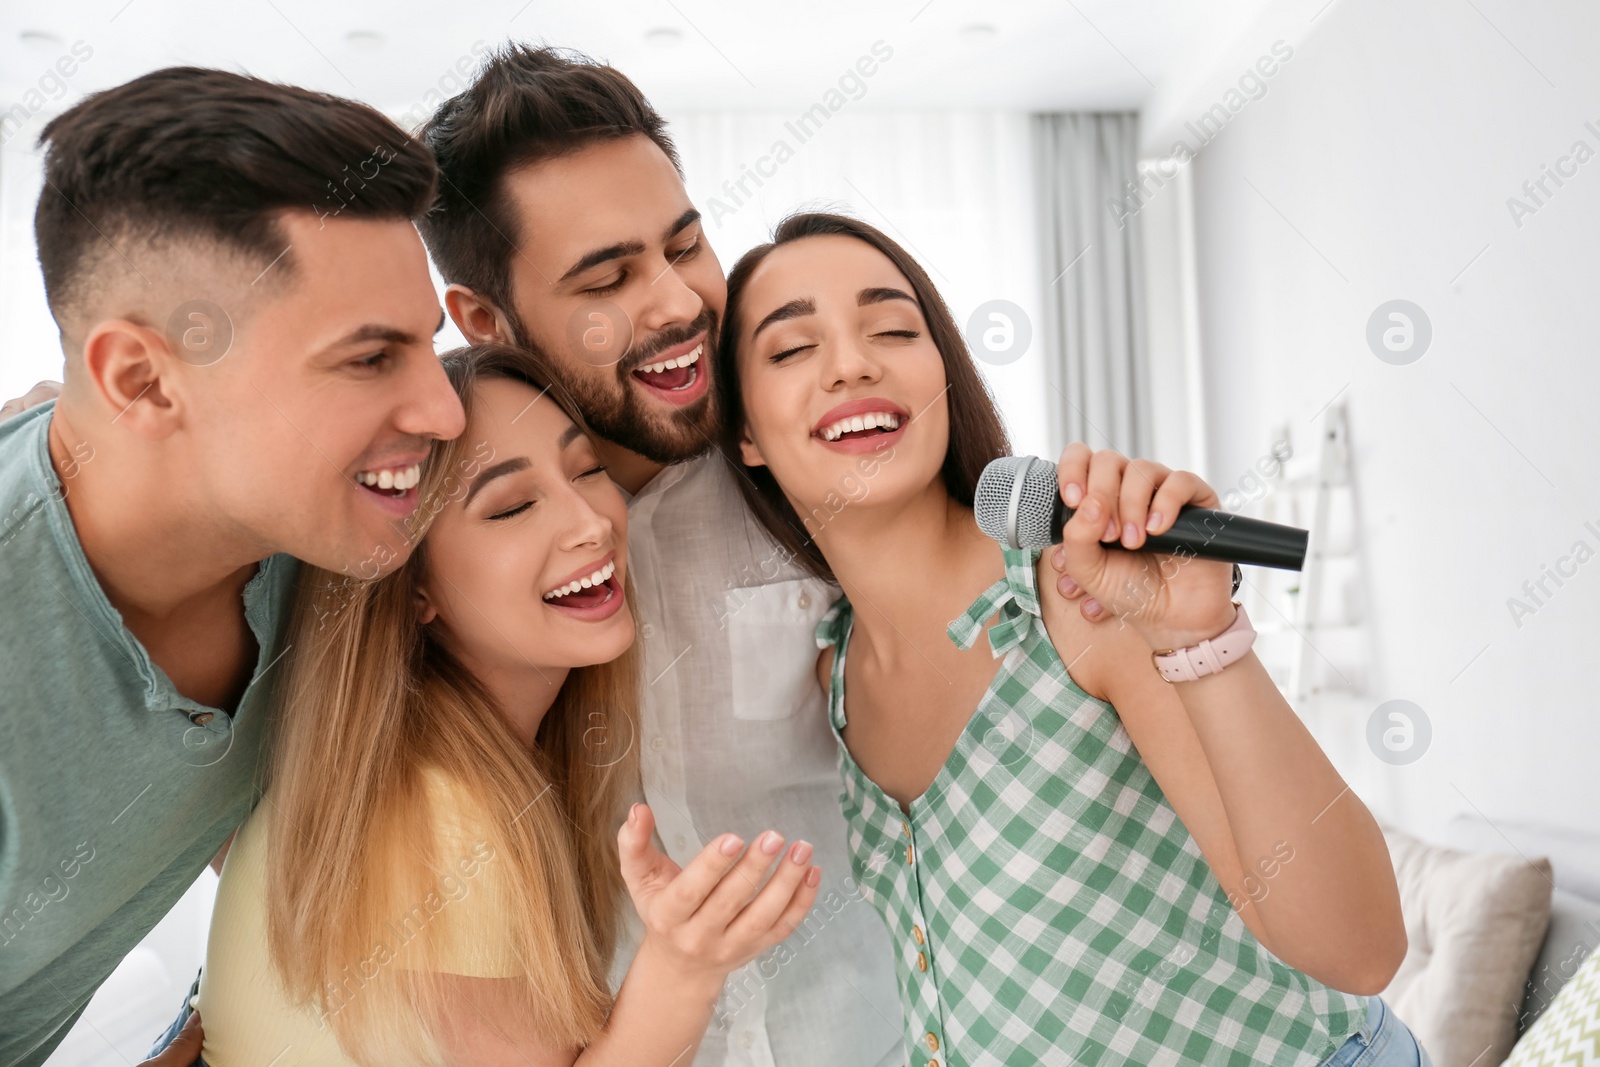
(908,854)
(747,1040)
(916,934)
(680,842)
(922,961)
(804,601)
(905,826)
(933,1063)
(657,744)
(933,1042)
(647,631)
(201,718)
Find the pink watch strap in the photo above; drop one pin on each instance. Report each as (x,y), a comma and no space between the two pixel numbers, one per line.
(1209,656)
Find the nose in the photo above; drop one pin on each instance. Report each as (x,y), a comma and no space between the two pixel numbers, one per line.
(584,525)
(668,300)
(849,360)
(431,407)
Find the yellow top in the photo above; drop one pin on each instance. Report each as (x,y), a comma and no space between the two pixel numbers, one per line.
(247,1015)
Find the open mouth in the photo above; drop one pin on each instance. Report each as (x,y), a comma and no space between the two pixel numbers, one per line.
(392,488)
(676,378)
(594,595)
(861,427)
(391,482)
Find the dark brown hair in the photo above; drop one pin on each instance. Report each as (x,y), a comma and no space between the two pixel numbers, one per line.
(529,104)
(977,433)
(188,153)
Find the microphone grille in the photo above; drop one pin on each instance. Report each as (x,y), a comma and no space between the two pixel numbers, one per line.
(1031,483)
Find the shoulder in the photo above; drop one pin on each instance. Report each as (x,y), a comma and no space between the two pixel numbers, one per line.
(23,456)
(460,823)
(467,890)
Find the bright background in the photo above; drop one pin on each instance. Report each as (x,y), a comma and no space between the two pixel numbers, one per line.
(1376,164)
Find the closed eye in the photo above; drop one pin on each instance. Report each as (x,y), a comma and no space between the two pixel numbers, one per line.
(609,287)
(779,357)
(512,512)
(600,469)
(909,335)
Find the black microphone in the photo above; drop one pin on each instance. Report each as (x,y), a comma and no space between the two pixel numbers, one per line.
(1018,503)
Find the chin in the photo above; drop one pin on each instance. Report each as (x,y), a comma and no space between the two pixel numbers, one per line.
(603,646)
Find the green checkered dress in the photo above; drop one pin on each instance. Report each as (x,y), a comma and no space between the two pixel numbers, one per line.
(1046,903)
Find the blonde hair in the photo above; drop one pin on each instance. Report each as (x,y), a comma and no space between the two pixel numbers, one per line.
(371,698)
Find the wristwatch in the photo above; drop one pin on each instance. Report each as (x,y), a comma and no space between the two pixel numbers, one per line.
(1209,656)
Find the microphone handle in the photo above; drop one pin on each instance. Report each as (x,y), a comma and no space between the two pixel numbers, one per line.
(1220,535)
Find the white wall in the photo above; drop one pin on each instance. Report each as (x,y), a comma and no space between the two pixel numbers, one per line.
(1377,165)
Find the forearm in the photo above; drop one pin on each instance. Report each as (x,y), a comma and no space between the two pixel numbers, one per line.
(659,1018)
(1333,910)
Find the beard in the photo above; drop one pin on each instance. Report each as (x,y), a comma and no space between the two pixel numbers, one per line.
(614,405)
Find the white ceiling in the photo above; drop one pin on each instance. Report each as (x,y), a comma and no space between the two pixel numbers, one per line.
(687,55)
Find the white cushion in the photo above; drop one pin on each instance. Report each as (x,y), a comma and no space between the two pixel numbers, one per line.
(1474,923)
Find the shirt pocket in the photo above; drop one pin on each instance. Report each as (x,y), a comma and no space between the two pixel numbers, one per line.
(772,648)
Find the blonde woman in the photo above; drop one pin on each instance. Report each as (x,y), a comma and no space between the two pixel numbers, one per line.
(433,873)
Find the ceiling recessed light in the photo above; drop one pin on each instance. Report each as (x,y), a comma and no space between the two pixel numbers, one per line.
(664,36)
(364,40)
(40,40)
(978,32)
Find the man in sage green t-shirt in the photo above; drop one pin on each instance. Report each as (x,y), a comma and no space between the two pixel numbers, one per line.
(246,318)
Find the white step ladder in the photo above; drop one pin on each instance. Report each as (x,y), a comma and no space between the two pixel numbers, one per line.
(1314,640)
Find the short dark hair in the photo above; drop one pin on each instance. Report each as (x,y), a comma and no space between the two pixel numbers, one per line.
(977,432)
(528,104)
(189,153)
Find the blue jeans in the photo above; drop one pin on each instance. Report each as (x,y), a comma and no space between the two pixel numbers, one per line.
(1382,1041)
(171,1033)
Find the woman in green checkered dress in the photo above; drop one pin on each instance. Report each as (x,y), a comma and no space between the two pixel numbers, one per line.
(1079,862)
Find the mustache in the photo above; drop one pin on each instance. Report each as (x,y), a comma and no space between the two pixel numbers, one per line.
(640,354)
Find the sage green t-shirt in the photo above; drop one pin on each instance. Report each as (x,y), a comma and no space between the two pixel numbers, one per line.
(115,790)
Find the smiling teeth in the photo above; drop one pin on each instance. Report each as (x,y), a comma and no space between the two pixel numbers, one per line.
(392,479)
(599,577)
(886,420)
(681,361)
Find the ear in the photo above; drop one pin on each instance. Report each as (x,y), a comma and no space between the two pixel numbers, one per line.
(426,612)
(749,451)
(476,318)
(129,367)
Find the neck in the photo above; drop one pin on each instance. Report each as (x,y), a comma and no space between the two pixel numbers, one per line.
(149,543)
(628,469)
(904,566)
(524,694)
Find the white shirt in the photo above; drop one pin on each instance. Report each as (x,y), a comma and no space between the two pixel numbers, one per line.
(735,737)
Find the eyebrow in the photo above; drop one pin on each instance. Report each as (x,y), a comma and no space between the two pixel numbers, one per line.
(373,332)
(628,248)
(803,306)
(518,463)
(489,474)
(794,309)
(879,295)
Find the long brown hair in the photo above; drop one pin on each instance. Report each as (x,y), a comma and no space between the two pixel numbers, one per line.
(371,699)
(977,433)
